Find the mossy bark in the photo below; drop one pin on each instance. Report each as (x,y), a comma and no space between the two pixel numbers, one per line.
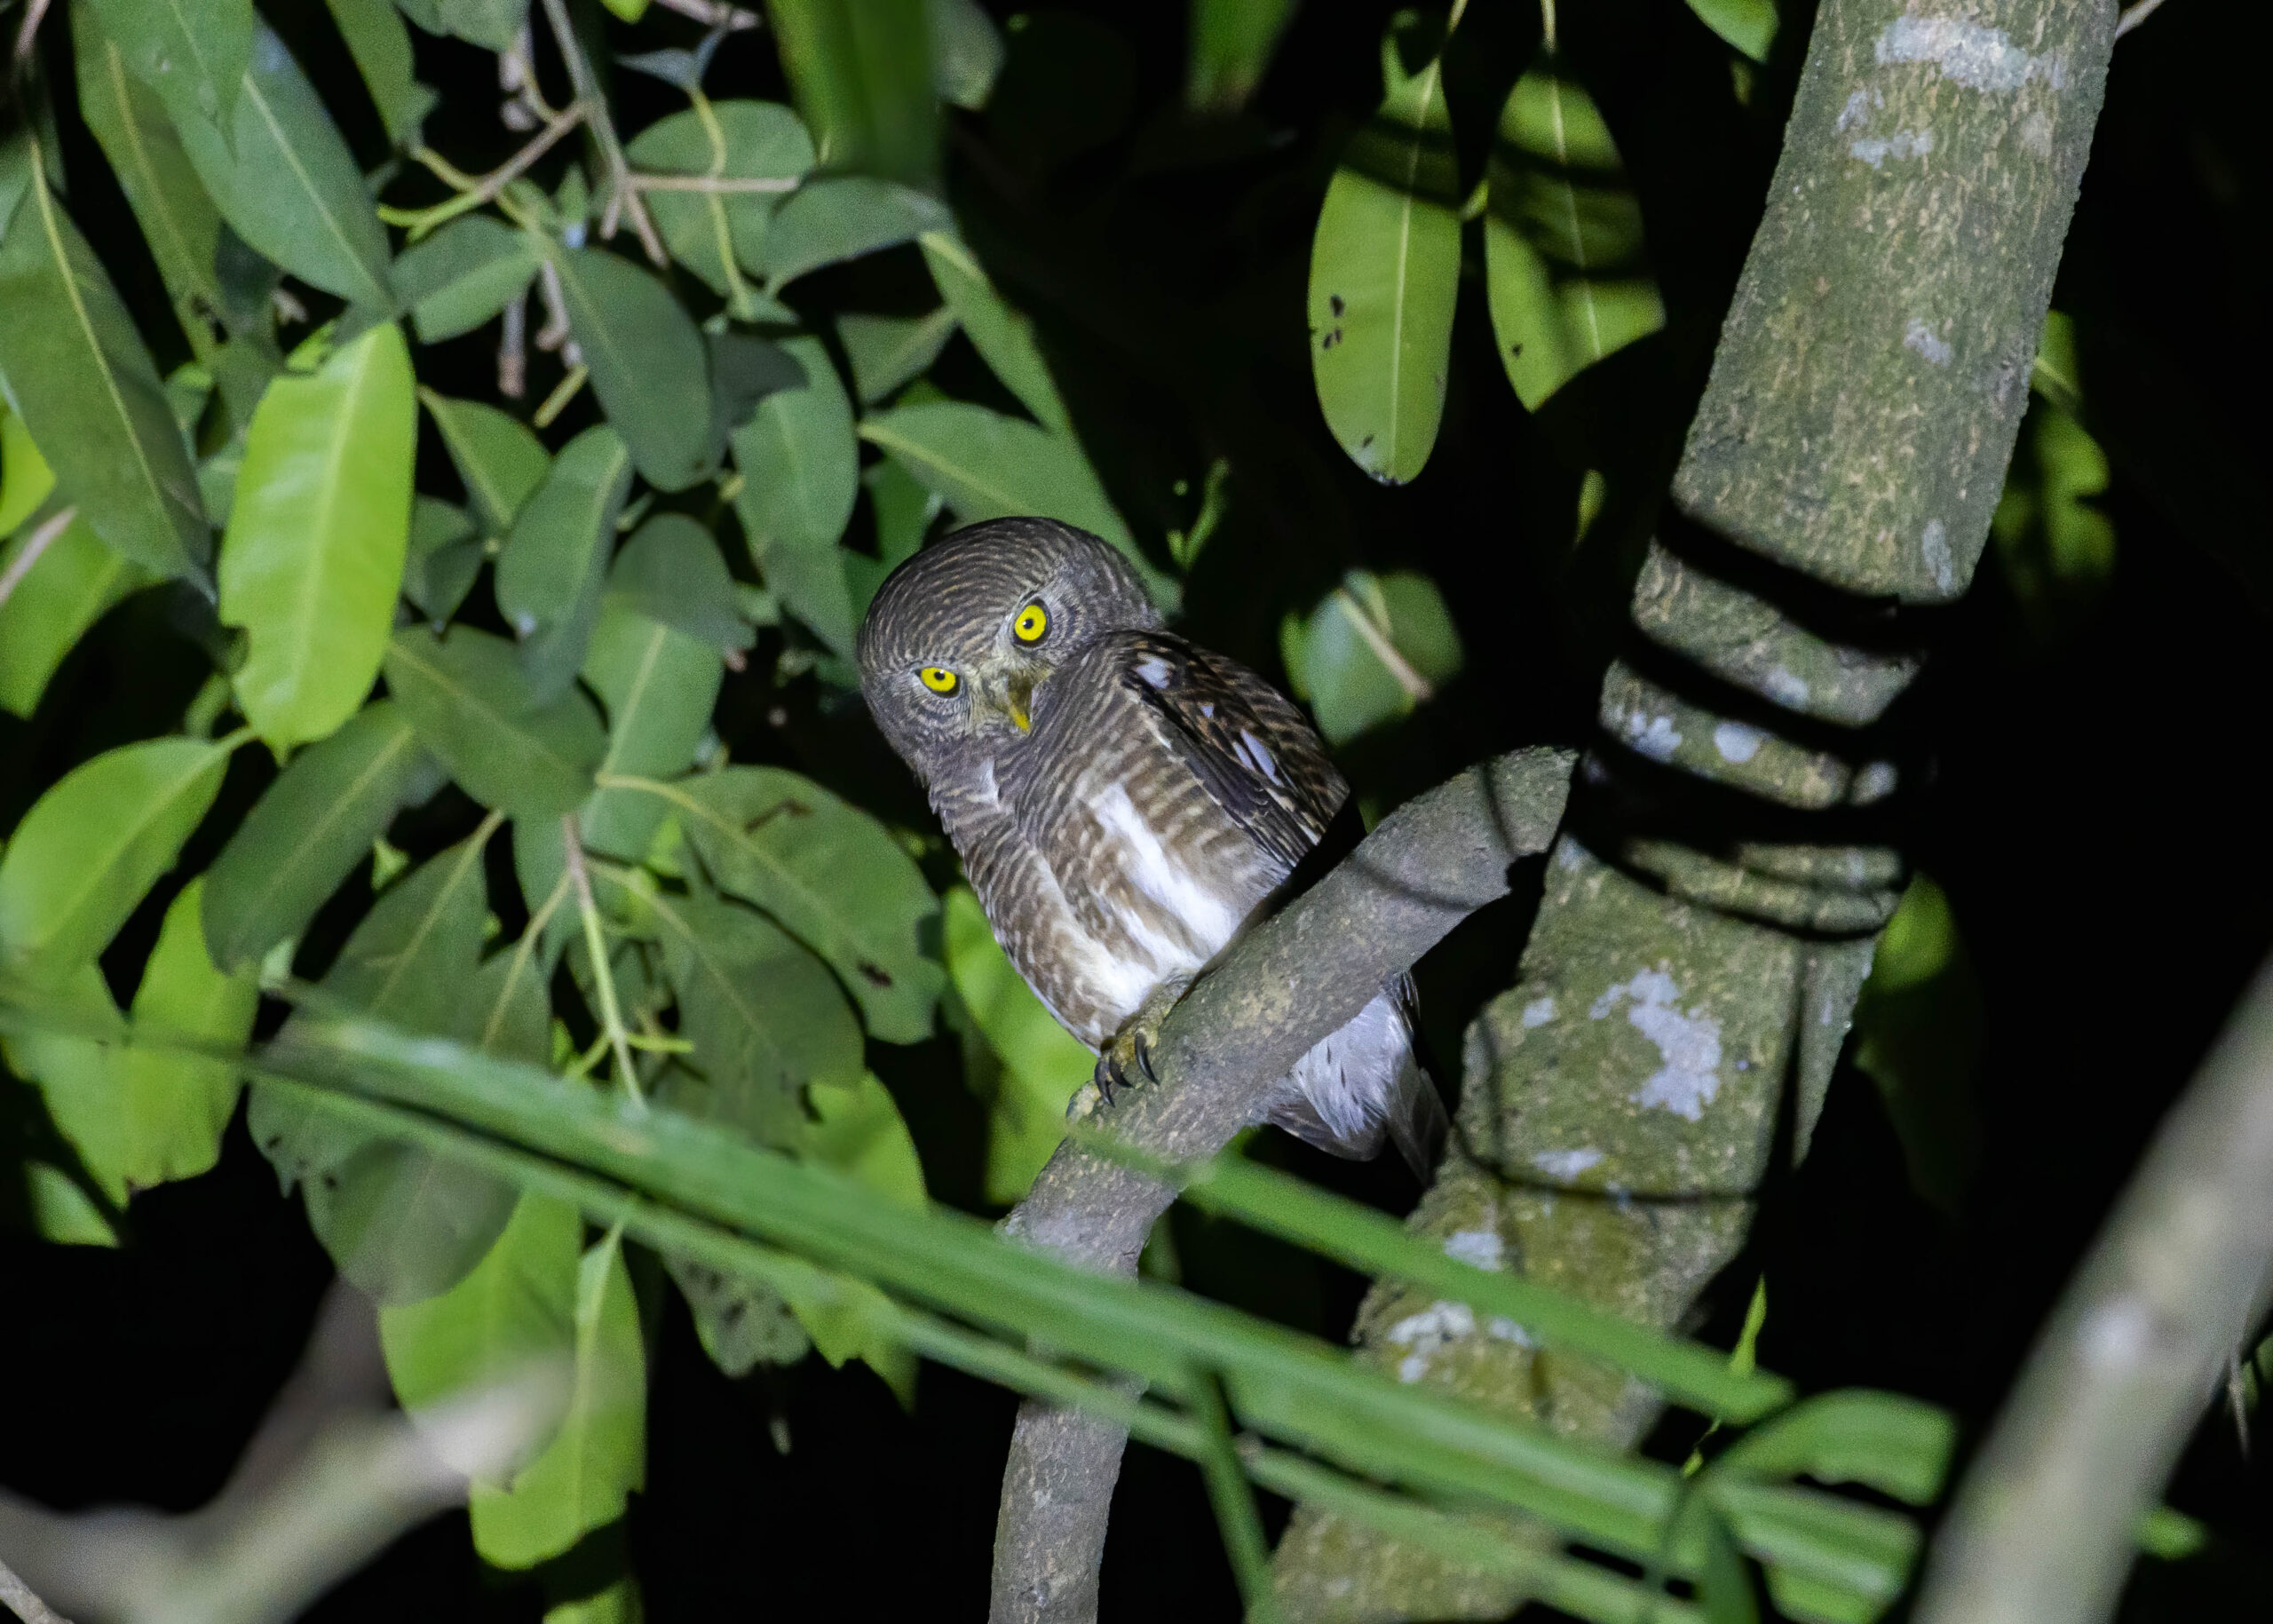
(1713,904)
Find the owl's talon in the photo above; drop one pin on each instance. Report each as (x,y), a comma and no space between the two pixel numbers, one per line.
(1144,1058)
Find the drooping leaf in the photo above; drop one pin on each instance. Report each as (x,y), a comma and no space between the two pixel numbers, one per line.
(649,367)
(887,351)
(79,1078)
(380,46)
(91,846)
(76,581)
(1375,647)
(498,457)
(309,830)
(659,686)
(86,388)
(1563,252)
(1748,25)
(862,79)
(845,216)
(195,52)
(831,874)
(740,140)
(284,180)
(474,708)
(445,556)
(800,466)
(1004,337)
(1384,271)
(966,52)
(554,565)
(1918,1035)
(312,561)
(1041,1064)
(463,275)
(743,1324)
(1232,42)
(672,572)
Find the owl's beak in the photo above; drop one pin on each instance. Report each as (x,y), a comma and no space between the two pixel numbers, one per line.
(1015,700)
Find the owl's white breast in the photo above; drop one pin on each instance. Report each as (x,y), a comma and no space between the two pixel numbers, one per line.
(1207,920)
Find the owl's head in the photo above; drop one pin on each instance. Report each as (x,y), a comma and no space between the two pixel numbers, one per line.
(960,635)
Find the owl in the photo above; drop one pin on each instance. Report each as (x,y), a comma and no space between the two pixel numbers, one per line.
(1123,801)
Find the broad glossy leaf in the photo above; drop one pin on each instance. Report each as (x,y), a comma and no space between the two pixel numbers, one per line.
(863,78)
(490,24)
(844,217)
(76,581)
(463,275)
(1748,25)
(1563,244)
(86,388)
(313,562)
(966,52)
(1384,272)
(177,219)
(583,1478)
(1918,1035)
(283,178)
(310,831)
(1375,647)
(173,1107)
(25,477)
(742,140)
(91,846)
(649,367)
(473,707)
(445,555)
(380,46)
(888,351)
(800,466)
(2055,543)
(1004,337)
(670,571)
(500,459)
(1041,1064)
(554,565)
(659,686)
(195,52)
(829,874)
(1232,42)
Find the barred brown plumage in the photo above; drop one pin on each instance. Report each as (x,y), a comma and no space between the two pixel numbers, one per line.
(1123,801)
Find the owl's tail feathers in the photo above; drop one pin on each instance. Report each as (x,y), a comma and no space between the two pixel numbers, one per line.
(1365,1085)
(1417,1123)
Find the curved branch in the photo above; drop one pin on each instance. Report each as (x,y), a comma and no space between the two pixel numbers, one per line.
(2043,1529)
(1295,979)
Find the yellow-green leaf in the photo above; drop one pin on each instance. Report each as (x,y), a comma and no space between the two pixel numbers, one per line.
(66,591)
(1041,1064)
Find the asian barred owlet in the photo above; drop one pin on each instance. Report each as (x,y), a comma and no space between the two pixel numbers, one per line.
(1123,801)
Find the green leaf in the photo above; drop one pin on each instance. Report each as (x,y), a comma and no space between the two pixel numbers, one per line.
(717,234)
(742,1323)
(490,24)
(500,459)
(670,571)
(1232,42)
(86,388)
(903,510)
(659,686)
(831,874)
(862,79)
(586,1475)
(800,465)
(194,51)
(857,1131)
(1375,647)
(463,275)
(177,219)
(1748,25)
(78,1076)
(650,368)
(1900,1445)
(1384,271)
(990,466)
(1043,1064)
(887,351)
(94,843)
(60,1210)
(966,52)
(1004,337)
(313,562)
(554,565)
(309,831)
(2055,545)
(283,178)
(75,581)
(1918,1035)
(1564,257)
(474,708)
(380,46)
(25,477)
(444,558)
(845,218)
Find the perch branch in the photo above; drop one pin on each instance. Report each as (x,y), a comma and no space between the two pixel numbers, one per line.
(2140,1345)
(1297,977)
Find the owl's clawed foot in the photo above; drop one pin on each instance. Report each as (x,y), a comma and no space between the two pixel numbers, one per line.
(1127,1061)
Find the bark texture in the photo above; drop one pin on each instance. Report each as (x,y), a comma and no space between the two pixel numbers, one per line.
(1713,902)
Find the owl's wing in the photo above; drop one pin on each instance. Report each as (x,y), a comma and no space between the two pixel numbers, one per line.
(1248,745)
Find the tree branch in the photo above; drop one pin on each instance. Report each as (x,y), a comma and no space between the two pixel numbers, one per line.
(2042,1529)
(1297,977)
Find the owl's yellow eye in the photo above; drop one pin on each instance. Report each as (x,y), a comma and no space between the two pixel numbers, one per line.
(940,679)
(1031,625)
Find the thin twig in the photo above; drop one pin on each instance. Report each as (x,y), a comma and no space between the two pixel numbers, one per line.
(554,333)
(27,32)
(733,18)
(2135,14)
(512,348)
(18,1597)
(471,194)
(1416,686)
(622,194)
(596,947)
(35,544)
(722,184)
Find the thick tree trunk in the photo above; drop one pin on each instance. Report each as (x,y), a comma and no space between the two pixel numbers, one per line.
(1713,905)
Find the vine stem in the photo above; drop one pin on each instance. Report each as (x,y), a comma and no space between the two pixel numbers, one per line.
(622,194)
(471,194)
(595,946)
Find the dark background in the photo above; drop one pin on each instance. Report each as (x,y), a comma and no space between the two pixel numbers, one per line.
(2092,808)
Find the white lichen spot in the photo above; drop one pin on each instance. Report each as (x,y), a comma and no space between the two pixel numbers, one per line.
(1857,113)
(1482,1247)
(1507,1330)
(1426,1332)
(1539,1011)
(1786,686)
(2036,135)
(1653,736)
(1569,854)
(1737,742)
(1339,1588)
(1565,1164)
(1875,150)
(1933,546)
(1688,1044)
(1966,53)
(1875,782)
(1922,338)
